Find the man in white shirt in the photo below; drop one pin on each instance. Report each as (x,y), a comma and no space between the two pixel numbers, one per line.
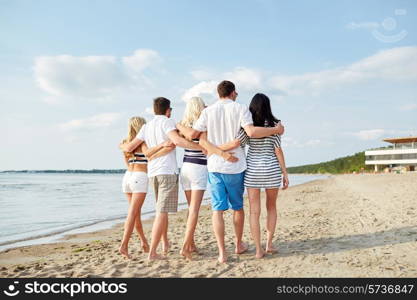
(222,122)
(162,171)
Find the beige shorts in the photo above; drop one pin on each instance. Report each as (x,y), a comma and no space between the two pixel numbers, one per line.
(166,192)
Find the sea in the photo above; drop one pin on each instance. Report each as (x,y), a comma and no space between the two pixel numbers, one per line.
(38,208)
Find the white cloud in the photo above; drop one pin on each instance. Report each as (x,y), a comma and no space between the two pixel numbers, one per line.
(244,78)
(291,142)
(207,88)
(371,134)
(396,64)
(362,25)
(142,59)
(66,77)
(97,121)
(149,110)
(65,74)
(201,74)
(409,107)
(313,142)
(377,134)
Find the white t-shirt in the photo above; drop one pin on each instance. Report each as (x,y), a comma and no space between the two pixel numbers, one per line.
(222,121)
(154,133)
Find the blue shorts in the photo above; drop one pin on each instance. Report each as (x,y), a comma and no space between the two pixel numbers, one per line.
(226,190)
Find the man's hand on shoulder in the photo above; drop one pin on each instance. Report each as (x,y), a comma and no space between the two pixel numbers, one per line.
(279,128)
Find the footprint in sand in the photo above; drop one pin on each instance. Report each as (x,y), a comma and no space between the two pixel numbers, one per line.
(122,265)
(113,273)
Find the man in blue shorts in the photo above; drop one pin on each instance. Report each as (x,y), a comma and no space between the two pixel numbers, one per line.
(222,122)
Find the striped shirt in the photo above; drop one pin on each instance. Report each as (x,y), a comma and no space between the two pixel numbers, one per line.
(263,169)
(195,156)
(139,158)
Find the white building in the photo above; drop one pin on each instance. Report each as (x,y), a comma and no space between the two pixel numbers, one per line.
(402,153)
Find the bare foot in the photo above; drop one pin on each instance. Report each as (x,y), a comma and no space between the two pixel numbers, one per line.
(193,248)
(145,247)
(186,253)
(165,248)
(241,248)
(271,249)
(123,251)
(260,254)
(155,257)
(222,259)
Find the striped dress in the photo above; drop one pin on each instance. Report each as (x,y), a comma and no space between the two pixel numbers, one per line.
(263,169)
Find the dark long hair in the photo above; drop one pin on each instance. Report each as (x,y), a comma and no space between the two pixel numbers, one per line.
(260,107)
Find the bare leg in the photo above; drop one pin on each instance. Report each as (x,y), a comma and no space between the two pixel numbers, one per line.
(136,201)
(255,212)
(218,227)
(165,241)
(123,250)
(188,197)
(194,207)
(271,219)
(238,222)
(158,230)
(139,227)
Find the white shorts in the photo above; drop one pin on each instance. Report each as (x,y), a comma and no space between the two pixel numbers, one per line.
(135,182)
(193,177)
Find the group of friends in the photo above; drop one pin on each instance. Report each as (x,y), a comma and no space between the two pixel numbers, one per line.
(214,138)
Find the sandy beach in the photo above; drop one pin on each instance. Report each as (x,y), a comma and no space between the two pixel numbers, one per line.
(345,226)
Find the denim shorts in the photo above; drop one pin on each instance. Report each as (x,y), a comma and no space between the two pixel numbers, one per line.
(226,190)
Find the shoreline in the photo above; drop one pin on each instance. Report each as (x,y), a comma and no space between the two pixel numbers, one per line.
(55,236)
(59,236)
(358,225)
(67,235)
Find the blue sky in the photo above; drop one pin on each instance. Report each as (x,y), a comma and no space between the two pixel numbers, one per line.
(341,74)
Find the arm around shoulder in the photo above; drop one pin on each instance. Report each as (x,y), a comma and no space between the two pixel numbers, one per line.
(280,128)
(188,132)
(129,147)
(180,141)
(212,149)
(260,132)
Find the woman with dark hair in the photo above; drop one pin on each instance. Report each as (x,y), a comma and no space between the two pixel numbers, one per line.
(265,170)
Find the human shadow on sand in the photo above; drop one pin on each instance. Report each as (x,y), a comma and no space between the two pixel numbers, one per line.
(348,242)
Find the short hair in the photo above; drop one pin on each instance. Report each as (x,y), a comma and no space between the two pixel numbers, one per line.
(161,105)
(225,88)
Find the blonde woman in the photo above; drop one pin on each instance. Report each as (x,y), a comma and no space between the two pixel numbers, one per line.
(194,170)
(193,175)
(135,182)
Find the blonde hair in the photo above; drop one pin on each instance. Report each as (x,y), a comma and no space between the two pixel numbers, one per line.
(135,124)
(192,111)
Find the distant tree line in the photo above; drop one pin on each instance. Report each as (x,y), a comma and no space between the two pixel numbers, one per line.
(347,164)
(93,171)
